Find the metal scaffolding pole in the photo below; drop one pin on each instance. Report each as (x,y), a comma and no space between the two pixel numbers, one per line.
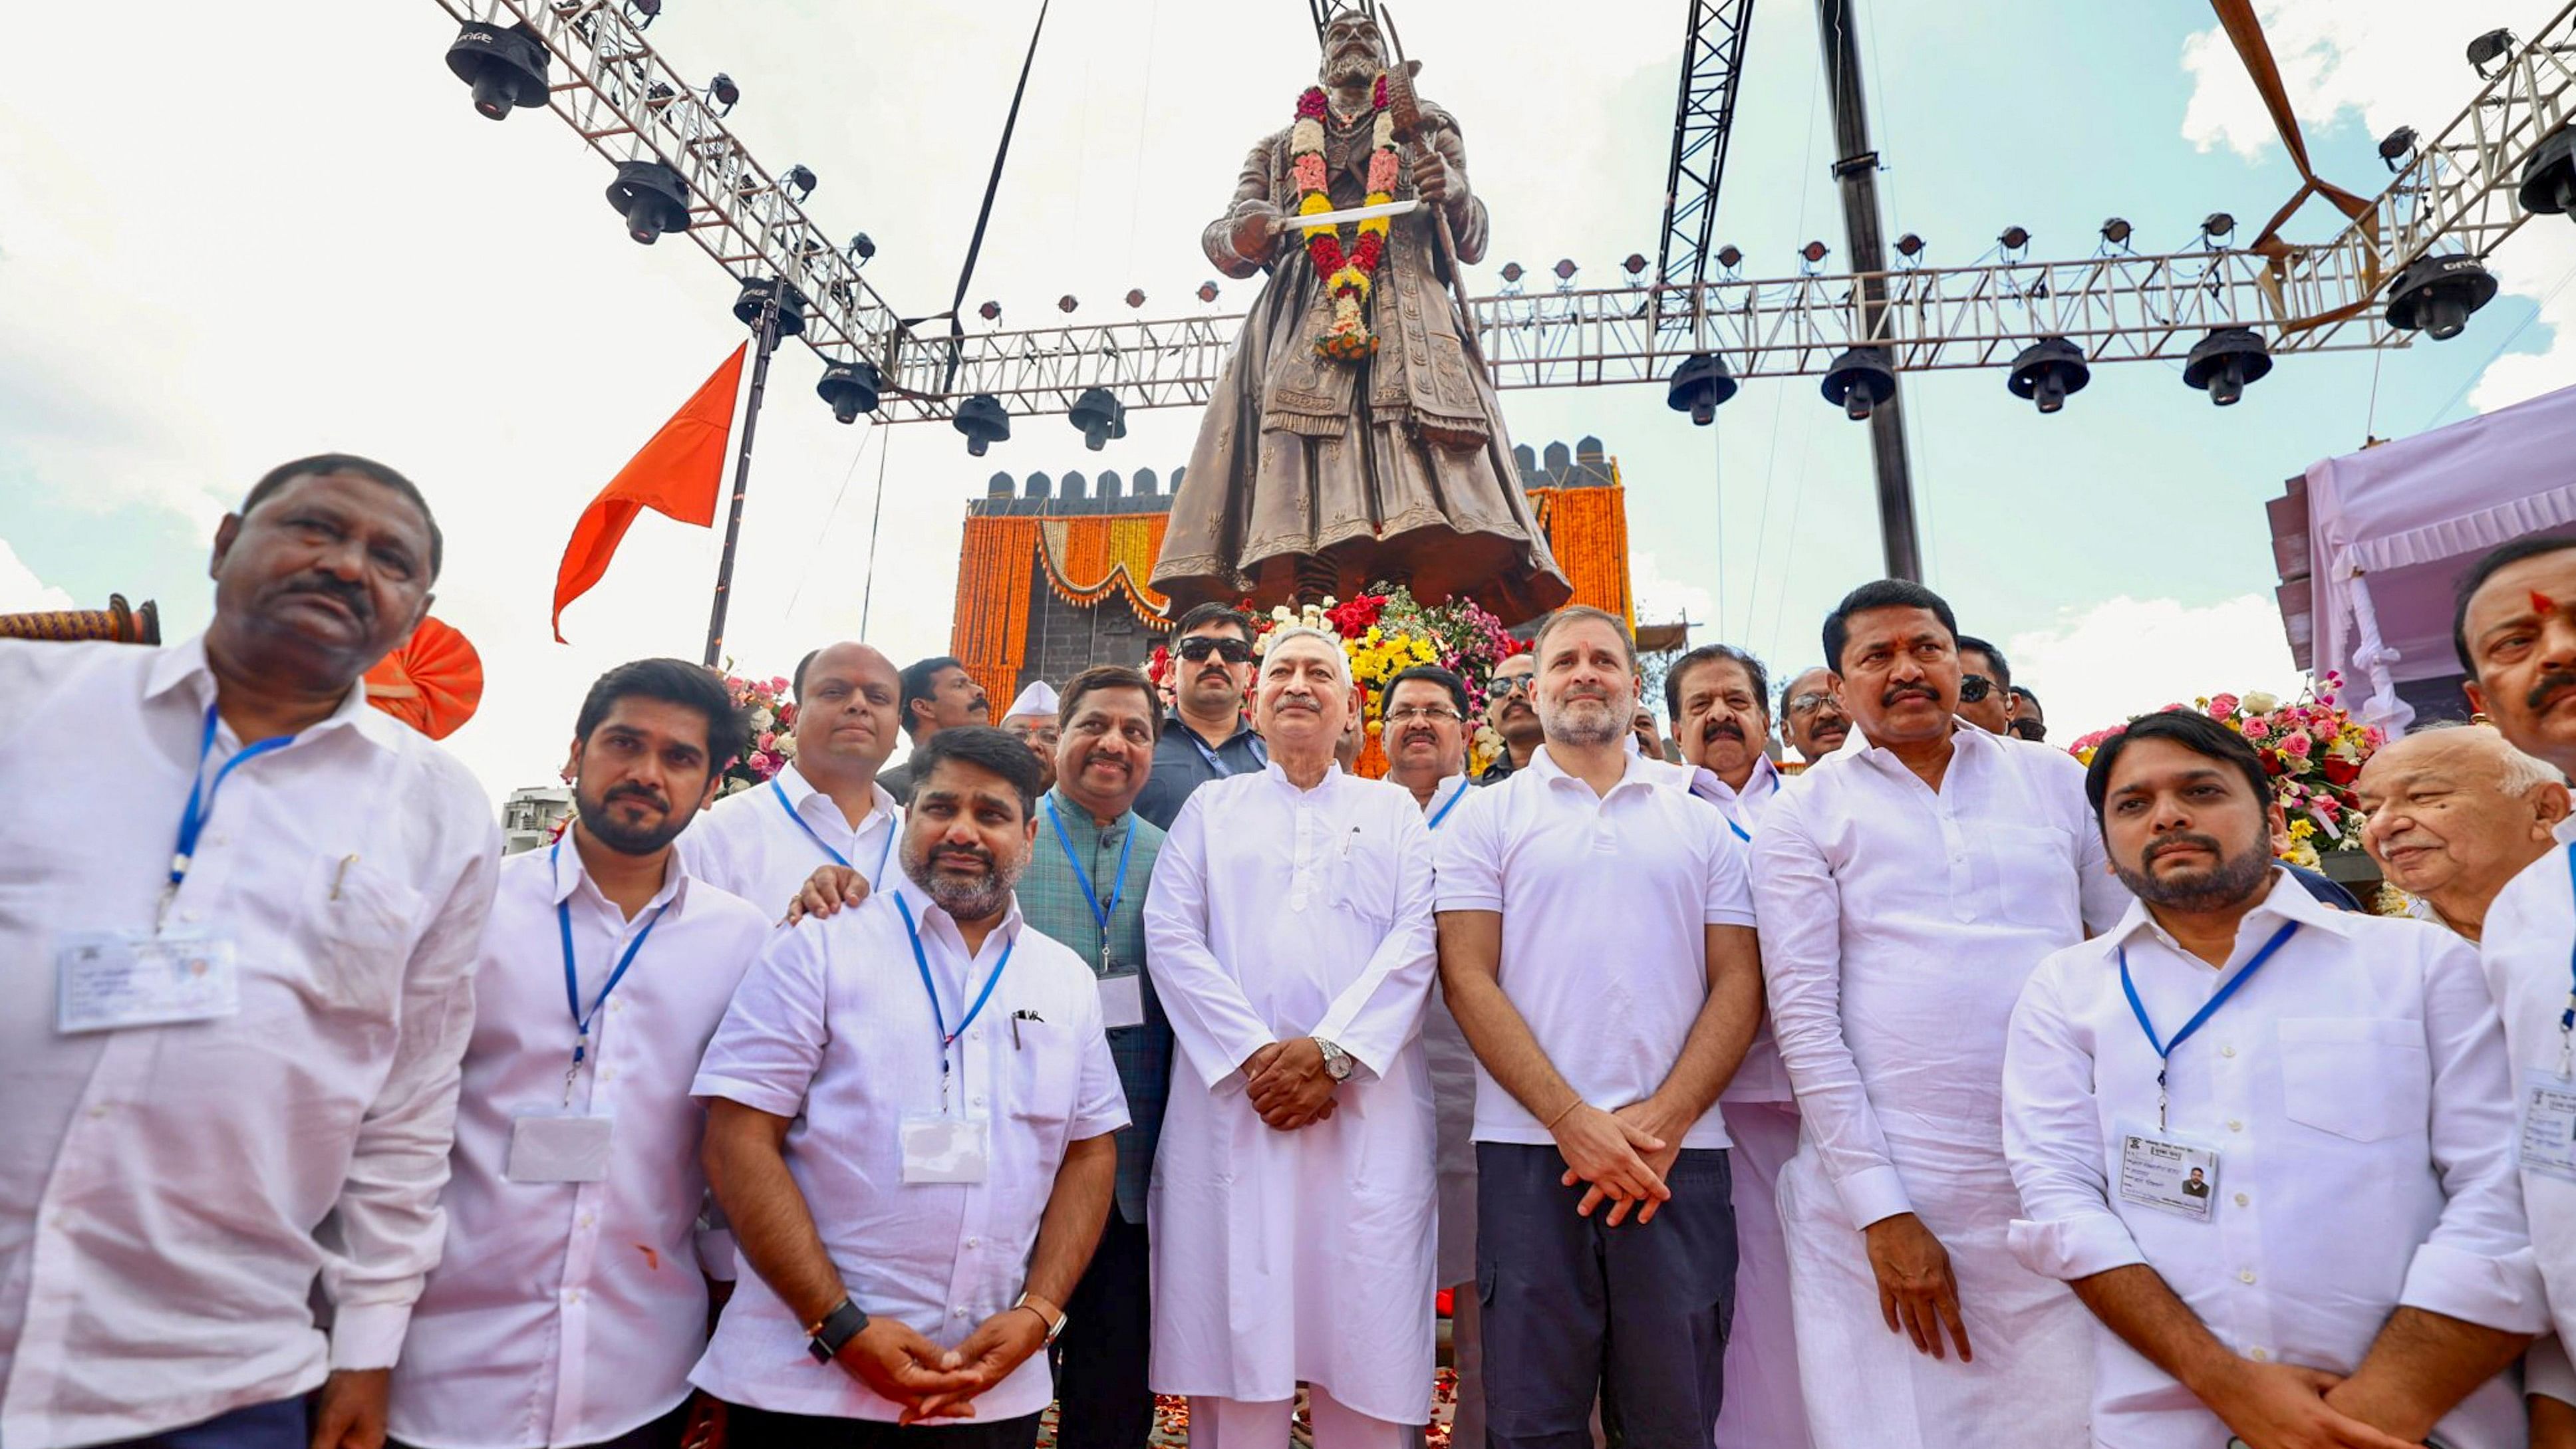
(1856,168)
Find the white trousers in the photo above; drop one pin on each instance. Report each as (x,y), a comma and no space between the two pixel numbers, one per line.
(1764,1408)
(1242,1424)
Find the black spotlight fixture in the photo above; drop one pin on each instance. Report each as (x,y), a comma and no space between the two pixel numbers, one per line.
(863,249)
(1135,296)
(2115,230)
(2222,363)
(1815,252)
(2437,294)
(1207,290)
(1634,266)
(2549,177)
(2397,148)
(1730,256)
(799,179)
(2047,371)
(851,388)
(990,311)
(721,91)
(1067,302)
(1909,246)
(652,198)
(642,13)
(505,67)
(2013,238)
(1564,269)
(755,295)
(2489,49)
(983,422)
(2215,225)
(1512,273)
(1099,415)
(1858,381)
(1699,385)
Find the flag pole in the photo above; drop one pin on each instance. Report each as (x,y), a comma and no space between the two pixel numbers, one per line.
(765,333)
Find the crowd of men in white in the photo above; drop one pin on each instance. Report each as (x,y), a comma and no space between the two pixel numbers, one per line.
(1943,1091)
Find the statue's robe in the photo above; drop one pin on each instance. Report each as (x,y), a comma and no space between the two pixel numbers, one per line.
(1328,475)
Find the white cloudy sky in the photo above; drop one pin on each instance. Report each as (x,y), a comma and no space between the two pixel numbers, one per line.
(228,240)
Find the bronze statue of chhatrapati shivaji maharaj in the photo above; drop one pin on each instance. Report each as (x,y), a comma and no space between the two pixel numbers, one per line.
(1353,436)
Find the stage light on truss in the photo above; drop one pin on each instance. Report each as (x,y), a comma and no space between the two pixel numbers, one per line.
(1565,270)
(642,13)
(863,249)
(2215,225)
(505,67)
(722,92)
(1859,381)
(990,311)
(1512,275)
(1815,252)
(2115,231)
(2436,295)
(1207,290)
(1909,246)
(799,179)
(1135,296)
(2224,362)
(851,388)
(2549,176)
(1100,417)
(1698,386)
(983,421)
(652,198)
(755,295)
(2014,238)
(2490,49)
(1634,266)
(1067,303)
(2048,371)
(1730,256)
(2397,148)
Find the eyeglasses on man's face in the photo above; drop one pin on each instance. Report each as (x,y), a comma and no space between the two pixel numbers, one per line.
(1434,713)
(1974,688)
(1198,647)
(1803,705)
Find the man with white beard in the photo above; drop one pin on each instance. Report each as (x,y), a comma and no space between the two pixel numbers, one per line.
(1288,933)
(1906,886)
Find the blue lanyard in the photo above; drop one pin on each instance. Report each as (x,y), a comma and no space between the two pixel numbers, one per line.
(938,1017)
(572,977)
(825,846)
(1464,785)
(1259,753)
(201,798)
(1099,912)
(2165,1049)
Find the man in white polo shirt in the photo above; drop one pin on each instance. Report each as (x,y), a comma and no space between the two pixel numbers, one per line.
(228,1068)
(2268,1143)
(910,1118)
(826,806)
(570,1303)
(1596,946)
(1720,700)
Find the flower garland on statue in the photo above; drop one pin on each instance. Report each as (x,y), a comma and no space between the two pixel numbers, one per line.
(1346,275)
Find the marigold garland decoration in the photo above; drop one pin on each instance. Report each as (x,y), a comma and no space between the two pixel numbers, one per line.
(1345,274)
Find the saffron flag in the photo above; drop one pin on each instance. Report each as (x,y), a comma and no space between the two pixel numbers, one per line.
(676,475)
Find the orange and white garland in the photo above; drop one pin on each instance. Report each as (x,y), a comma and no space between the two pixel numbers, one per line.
(1345,275)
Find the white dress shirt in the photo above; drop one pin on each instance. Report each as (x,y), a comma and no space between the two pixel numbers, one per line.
(1631,877)
(1760,1077)
(749,845)
(570,1312)
(2356,1092)
(832,1028)
(2528,945)
(161,1186)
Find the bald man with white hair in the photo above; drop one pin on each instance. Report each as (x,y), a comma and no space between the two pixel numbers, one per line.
(2455,812)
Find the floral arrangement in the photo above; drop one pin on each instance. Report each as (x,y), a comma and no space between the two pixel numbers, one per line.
(1346,275)
(768,739)
(1384,632)
(2313,751)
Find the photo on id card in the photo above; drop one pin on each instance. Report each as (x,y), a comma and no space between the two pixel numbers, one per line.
(2168,1173)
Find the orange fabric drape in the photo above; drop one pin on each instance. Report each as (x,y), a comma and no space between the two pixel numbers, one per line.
(1587,528)
(996,567)
(676,475)
(432,682)
(1089,559)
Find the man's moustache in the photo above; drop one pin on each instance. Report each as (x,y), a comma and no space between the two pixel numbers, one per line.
(2549,688)
(1725,727)
(351,597)
(635,792)
(1919,691)
(2172,843)
(1100,759)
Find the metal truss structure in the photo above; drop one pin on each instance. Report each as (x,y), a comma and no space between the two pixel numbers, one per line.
(2456,194)
(1703,118)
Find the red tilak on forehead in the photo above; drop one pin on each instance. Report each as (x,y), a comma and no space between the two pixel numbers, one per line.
(2543,604)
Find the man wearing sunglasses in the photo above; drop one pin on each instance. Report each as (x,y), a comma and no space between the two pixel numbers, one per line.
(1206,738)
(2028,722)
(1508,709)
(1985,686)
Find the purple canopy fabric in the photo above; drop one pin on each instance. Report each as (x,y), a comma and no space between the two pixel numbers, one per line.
(2392,528)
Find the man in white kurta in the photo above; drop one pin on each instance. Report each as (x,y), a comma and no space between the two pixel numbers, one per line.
(1905,887)
(1289,935)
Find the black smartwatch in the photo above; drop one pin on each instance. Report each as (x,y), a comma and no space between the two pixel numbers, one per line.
(837,1328)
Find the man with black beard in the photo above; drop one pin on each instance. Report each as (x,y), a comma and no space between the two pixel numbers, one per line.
(2188,1095)
(570,1302)
(916,1164)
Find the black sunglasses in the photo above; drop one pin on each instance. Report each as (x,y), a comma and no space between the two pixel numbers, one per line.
(1233,651)
(1974,687)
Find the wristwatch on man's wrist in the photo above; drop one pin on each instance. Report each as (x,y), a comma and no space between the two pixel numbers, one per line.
(1039,1306)
(826,1336)
(1337,1062)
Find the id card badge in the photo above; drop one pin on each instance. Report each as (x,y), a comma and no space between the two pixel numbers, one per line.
(1122,1001)
(2169,1174)
(109,979)
(944,1149)
(2547,1142)
(557,1149)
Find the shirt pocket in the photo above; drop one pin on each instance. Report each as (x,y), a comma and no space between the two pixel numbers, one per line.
(2362,1078)
(2035,874)
(1367,881)
(362,923)
(1043,1069)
